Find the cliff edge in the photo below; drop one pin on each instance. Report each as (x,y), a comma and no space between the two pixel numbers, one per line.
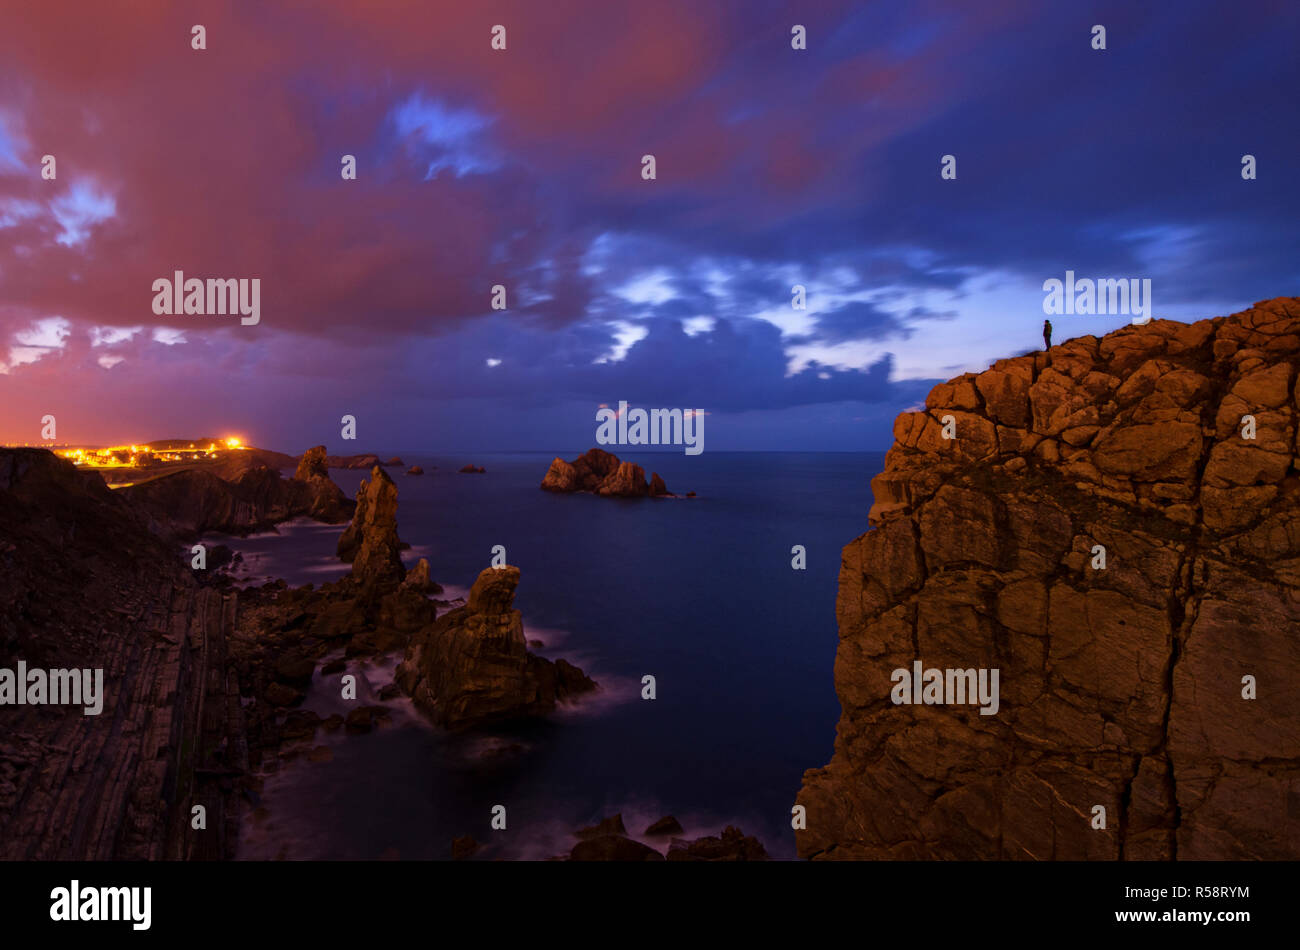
(1114,527)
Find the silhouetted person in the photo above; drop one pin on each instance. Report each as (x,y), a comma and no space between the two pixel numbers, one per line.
(1047,334)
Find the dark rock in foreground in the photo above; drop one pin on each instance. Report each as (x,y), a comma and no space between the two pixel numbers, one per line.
(668,825)
(601,473)
(732,845)
(471,667)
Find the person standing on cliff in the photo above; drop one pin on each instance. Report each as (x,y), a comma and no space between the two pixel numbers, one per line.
(1047,334)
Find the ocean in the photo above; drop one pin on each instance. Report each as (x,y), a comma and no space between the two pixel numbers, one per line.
(699,593)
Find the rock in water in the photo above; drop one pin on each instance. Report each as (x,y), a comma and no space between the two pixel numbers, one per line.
(370,542)
(602,473)
(1137,561)
(324,500)
(471,667)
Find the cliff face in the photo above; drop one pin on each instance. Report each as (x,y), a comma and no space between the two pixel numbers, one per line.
(1121,679)
(84,585)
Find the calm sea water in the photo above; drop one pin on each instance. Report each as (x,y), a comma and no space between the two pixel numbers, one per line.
(698,592)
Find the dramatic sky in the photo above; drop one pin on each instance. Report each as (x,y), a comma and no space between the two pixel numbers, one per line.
(522,167)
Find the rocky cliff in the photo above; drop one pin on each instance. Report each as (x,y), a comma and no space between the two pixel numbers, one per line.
(193,501)
(1114,526)
(84,585)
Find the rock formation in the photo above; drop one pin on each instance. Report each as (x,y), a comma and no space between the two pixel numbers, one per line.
(325,500)
(84,585)
(602,473)
(1115,528)
(395,460)
(193,501)
(370,542)
(472,469)
(415,470)
(471,667)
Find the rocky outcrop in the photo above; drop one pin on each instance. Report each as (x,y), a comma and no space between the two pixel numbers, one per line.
(415,470)
(473,469)
(472,668)
(364,460)
(324,500)
(395,460)
(370,542)
(732,845)
(195,500)
(602,473)
(1115,528)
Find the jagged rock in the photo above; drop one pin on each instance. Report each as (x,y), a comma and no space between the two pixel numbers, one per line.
(613,848)
(415,470)
(668,825)
(325,501)
(370,542)
(732,845)
(417,579)
(471,666)
(1119,686)
(473,470)
(395,460)
(657,487)
(602,473)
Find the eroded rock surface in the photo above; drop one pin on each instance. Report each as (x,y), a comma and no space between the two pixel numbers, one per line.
(1120,687)
(471,667)
(602,473)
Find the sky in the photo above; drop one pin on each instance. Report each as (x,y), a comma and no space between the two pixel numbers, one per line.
(522,167)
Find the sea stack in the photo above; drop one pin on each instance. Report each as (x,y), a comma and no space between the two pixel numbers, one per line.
(471,667)
(370,542)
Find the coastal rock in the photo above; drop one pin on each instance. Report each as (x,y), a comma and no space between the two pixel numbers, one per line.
(657,487)
(471,666)
(415,470)
(324,500)
(1121,682)
(473,470)
(732,845)
(601,473)
(395,460)
(366,460)
(370,542)
(417,579)
(667,825)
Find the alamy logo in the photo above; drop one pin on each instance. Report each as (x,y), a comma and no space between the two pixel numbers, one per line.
(103,903)
(935,687)
(656,427)
(215,296)
(1103,296)
(36,687)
